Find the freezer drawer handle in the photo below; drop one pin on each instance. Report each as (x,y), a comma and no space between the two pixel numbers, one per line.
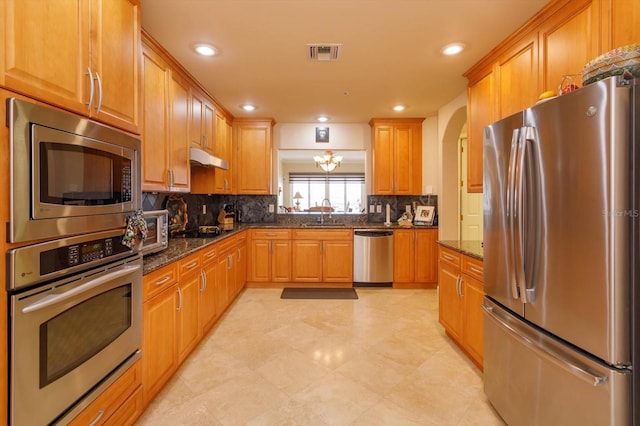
(572,368)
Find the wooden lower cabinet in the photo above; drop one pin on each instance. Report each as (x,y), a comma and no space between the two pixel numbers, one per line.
(460,295)
(322,256)
(415,258)
(269,256)
(182,301)
(121,404)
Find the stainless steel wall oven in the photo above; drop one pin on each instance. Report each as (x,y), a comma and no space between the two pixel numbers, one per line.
(75,331)
(69,175)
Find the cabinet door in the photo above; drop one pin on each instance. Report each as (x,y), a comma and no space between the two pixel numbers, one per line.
(222,183)
(240,265)
(253,145)
(480,107)
(337,261)
(115,28)
(155,142)
(568,40)
(625,23)
(383,154)
(473,323)
(407,165)
(449,302)
(45,51)
(281,261)
(517,83)
(207,314)
(209,138)
(426,256)
(403,256)
(195,119)
(159,354)
(260,265)
(187,311)
(223,275)
(306,261)
(179,135)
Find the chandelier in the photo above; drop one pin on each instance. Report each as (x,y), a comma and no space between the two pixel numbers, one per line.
(328,162)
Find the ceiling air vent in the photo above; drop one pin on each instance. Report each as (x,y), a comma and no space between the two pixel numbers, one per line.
(324,51)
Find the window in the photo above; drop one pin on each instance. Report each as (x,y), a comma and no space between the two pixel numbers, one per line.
(345,191)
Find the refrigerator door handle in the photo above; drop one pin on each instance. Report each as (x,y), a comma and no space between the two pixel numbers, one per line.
(511,213)
(542,351)
(518,230)
(531,263)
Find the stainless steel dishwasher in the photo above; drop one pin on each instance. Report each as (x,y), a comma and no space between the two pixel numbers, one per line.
(372,258)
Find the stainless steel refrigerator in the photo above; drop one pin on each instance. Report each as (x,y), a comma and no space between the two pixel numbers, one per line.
(561,255)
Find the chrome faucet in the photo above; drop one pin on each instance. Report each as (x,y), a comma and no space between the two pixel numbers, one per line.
(322,209)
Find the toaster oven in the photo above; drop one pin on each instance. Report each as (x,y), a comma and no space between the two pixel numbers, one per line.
(157,238)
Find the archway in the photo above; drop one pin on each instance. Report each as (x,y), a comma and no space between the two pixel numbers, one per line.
(448,203)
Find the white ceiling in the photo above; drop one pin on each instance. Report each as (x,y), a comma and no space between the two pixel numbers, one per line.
(390,52)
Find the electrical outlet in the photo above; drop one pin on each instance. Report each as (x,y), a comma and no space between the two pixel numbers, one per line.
(379,208)
(372,208)
(407,208)
(204,209)
(271,208)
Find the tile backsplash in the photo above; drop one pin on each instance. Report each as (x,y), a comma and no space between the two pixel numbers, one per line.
(255,208)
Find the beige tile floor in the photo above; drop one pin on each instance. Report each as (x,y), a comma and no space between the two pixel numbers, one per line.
(380,360)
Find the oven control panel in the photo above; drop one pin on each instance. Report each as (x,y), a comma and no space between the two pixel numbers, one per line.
(40,262)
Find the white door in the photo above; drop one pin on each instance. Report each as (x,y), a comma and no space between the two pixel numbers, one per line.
(470,204)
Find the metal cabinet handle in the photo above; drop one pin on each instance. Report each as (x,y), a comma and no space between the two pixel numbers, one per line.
(203,280)
(179,308)
(210,254)
(461,286)
(446,256)
(98,417)
(192,265)
(100,94)
(458,286)
(163,281)
(239,257)
(476,270)
(90,103)
(229,261)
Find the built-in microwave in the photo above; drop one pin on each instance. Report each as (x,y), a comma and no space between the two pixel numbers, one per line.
(69,175)
(157,238)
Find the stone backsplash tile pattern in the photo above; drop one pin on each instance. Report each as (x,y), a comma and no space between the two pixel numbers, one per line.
(255,208)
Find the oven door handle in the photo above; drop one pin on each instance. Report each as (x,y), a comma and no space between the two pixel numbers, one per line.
(57,298)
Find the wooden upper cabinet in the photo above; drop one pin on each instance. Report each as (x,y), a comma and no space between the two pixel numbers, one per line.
(397,156)
(480,114)
(516,72)
(625,23)
(202,122)
(253,144)
(165,138)
(81,55)
(568,41)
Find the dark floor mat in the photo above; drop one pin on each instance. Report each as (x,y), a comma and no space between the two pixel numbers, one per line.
(319,293)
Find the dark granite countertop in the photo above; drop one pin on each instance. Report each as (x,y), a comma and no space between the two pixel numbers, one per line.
(470,248)
(181,247)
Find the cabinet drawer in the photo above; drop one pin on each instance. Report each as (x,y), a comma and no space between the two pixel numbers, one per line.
(108,403)
(324,234)
(157,281)
(271,234)
(473,267)
(128,412)
(189,264)
(209,254)
(226,243)
(450,256)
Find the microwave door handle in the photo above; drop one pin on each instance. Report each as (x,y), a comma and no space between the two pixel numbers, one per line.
(61,297)
(510,210)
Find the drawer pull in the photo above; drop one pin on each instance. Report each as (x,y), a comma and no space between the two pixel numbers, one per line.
(446,256)
(476,270)
(163,281)
(210,254)
(98,417)
(192,265)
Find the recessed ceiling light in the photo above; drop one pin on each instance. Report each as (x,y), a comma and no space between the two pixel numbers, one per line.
(205,49)
(323,119)
(453,49)
(399,108)
(249,107)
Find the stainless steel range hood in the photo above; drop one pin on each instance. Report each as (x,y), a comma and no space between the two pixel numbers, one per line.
(204,159)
